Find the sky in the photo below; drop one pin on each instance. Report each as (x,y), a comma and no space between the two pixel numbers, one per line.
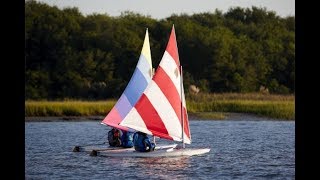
(159,9)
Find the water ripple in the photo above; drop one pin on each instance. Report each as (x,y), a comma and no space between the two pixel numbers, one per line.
(239,150)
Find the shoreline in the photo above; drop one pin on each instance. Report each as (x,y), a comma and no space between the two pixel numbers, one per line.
(62,118)
(203,106)
(192,117)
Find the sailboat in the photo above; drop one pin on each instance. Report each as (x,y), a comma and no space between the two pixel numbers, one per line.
(161,110)
(140,79)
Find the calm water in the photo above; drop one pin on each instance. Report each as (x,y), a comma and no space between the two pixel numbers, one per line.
(243,149)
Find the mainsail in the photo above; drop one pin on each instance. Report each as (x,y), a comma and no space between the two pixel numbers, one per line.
(161,110)
(137,84)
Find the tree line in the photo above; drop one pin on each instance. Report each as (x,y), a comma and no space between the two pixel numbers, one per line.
(69,55)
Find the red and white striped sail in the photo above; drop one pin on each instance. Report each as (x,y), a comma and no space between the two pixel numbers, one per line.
(158,112)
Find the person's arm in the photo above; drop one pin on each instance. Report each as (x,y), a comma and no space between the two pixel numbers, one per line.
(147,144)
(122,138)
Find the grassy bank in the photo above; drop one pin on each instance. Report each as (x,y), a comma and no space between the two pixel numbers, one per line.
(201,105)
(273,106)
(68,108)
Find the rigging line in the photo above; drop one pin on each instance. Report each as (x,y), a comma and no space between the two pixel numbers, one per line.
(181,107)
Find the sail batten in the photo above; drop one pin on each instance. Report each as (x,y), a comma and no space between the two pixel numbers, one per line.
(159,107)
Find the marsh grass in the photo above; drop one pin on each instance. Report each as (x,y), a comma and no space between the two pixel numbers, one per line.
(68,108)
(272,109)
(268,105)
(207,106)
(207,115)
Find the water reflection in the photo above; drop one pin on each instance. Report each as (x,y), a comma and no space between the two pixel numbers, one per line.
(151,168)
(174,163)
(163,168)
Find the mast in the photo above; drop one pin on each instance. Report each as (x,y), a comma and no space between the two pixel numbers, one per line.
(181,94)
(181,90)
(152,74)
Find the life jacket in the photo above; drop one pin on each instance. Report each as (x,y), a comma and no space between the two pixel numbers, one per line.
(114,138)
(142,143)
(127,139)
(116,134)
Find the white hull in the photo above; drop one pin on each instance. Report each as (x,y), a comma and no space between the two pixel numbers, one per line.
(96,152)
(163,152)
(108,148)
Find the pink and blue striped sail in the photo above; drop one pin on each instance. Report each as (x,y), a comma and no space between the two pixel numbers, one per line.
(139,81)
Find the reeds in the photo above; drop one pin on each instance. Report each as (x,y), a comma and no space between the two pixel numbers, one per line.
(273,106)
(68,108)
(209,105)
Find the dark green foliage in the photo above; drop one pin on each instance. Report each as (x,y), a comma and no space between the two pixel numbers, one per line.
(69,55)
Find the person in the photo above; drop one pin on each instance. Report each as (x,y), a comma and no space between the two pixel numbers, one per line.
(141,142)
(127,139)
(114,136)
